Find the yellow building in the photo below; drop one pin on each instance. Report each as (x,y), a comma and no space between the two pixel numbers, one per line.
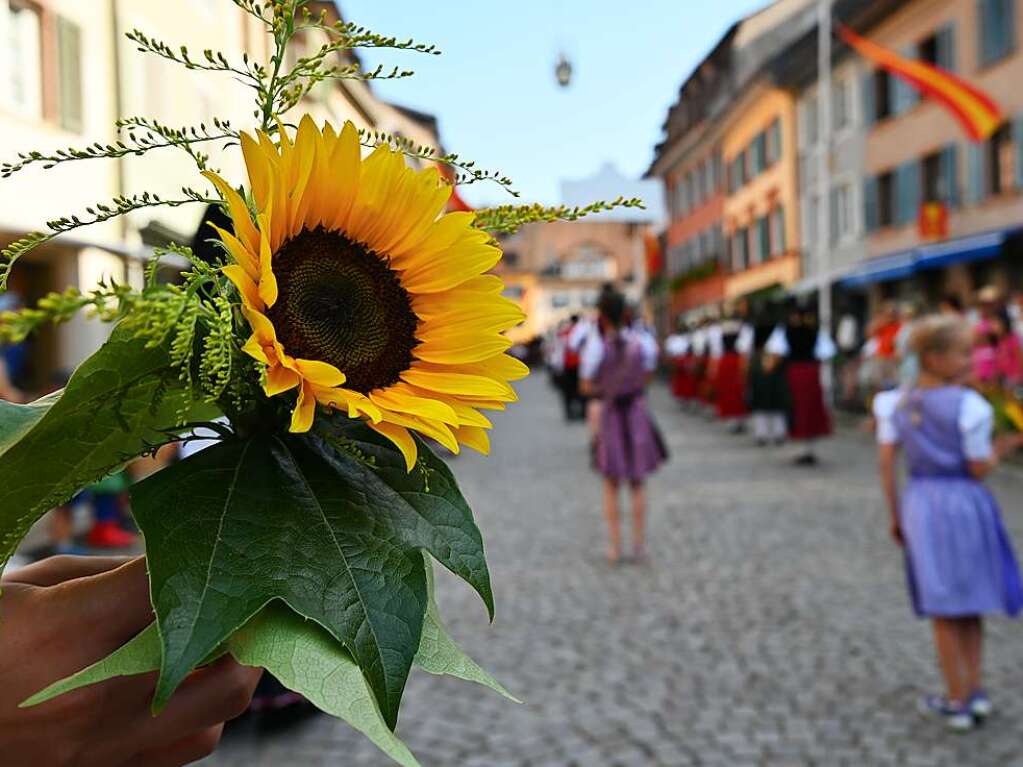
(761,208)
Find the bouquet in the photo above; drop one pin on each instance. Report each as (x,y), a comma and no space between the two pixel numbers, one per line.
(346,317)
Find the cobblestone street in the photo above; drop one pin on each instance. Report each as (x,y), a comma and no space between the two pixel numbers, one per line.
(770,626)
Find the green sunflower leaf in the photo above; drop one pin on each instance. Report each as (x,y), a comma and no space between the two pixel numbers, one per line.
(138,655)
(430,490)
(114,408)
(249,521)
(308,660)
(440,654)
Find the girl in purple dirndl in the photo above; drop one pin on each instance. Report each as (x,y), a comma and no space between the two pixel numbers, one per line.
(616,368)
(959,559)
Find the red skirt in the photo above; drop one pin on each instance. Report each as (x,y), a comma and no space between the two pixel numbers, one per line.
(810,417)
(731,386)
(683,382)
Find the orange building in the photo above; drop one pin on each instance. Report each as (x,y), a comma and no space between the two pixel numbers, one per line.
(761,207)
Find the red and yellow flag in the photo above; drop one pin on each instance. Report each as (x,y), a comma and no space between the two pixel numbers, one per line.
(975,110)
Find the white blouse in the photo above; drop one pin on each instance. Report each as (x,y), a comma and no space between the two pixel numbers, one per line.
(976,422)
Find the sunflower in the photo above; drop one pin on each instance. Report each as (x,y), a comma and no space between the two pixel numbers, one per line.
(363,295)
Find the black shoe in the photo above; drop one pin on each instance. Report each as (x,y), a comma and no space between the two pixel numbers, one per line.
(807,459)
(761,443)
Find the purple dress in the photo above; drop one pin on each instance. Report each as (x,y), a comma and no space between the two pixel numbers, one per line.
(628,444)
(959,559)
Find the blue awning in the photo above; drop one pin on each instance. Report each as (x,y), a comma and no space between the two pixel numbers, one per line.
(965,249)
(897,266)
(881,269)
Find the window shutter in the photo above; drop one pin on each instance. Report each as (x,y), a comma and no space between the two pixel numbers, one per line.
(946,44)
(871,212)
(950,176)
(69,67)
(904,95)
(1017,140)
(975,178)
(914,190)
(867,92)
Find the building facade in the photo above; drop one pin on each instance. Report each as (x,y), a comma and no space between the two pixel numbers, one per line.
(69,73)
(918,156)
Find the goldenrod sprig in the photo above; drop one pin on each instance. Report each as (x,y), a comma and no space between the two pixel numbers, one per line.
(505,219)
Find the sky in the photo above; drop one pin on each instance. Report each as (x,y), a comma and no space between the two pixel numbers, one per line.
(494,90)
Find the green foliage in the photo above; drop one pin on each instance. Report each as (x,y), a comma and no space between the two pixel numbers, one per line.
(693,275)
(291,518)
(117,405)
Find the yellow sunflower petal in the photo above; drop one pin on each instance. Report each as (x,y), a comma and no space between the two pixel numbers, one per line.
(280,379)
(400,436)
(464,347)
(306,144)
(241,254)
(474,437)
(433,429)
(320,373)
(237,209)
(503,367)
(346,170)
(246,287)
(305,410)
(257,168)
(254,349)
(357,404)
(399,400)
(451,268)
(267,278)
(454,383)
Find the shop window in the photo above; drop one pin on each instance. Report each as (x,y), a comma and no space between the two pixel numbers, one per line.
(996,26)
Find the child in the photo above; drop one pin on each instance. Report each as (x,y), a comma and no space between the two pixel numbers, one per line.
(959,559)
(628,446)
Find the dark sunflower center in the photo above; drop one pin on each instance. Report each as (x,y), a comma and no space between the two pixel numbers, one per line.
(339,302)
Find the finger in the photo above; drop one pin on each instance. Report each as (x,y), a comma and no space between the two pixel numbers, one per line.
(54,570)
(210,696)
(185,751)
(103,610)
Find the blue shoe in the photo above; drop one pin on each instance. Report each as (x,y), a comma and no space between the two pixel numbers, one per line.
(980,705)
(956,716)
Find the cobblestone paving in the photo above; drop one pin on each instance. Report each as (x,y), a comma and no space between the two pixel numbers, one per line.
(771,626)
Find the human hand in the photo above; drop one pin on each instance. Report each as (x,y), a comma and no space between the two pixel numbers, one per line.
(896,533)
(65,613)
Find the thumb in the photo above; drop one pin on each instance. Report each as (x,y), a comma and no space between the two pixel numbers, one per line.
(109,607)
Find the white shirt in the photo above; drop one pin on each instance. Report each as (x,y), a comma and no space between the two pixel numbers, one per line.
(593,353)
(778,345)
(677,344)
(976,422)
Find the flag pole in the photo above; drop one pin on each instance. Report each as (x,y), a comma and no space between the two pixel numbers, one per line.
(824,125)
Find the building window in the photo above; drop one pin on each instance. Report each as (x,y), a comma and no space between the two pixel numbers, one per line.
(740,250)
(69,70)
(882,94)
(774,142)
(763,240)
(886,199)
(842,219)
(939,49)
(810,124)
(777,233)
(842,104)
(997,25)
(758,155)
(999,161)
(24,61)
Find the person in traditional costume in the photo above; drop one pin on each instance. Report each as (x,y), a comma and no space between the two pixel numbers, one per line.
(629,447)
(731,342)
(769,399)
(678,348)
(960,561)
(804,345)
